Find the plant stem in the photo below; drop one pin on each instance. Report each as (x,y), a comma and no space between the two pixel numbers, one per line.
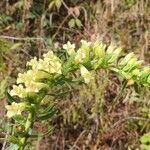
(119,95)
(28,127)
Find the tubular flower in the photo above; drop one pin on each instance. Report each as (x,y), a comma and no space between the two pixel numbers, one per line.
(84,52)
(31,75)
(126,59)
(70,48)
(34,86)
(49,56)
(18,91)
(80,56)
(85,45)
(15,109)
(49,63)
(33,63)
(26,77)
(112,53)
(99,49)
(88,76)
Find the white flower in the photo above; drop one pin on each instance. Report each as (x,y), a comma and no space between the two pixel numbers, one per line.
(33,63)
(114,55)
(99,49)
(25,77)
(70,48)
(18,91)
(50,63)
(34,86)
(79,58)
(85,43)
(110,49)
(15,109)
(88,76)
(125,60)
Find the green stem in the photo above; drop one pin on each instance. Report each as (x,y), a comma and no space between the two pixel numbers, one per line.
(28,127)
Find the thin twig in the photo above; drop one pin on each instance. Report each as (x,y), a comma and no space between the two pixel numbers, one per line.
(5,141)
(75,143)
(20,38)
(60,26)
(129,118)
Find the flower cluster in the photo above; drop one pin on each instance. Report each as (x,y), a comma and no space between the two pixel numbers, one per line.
(30,81)
(131,69)
(92,56)
(88,58)
(130,66)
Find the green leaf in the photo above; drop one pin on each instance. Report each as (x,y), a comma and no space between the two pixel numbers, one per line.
(12,147)
(145,138)
(145,147)
(78,23)
(71,23)
(20,119)
(10,99)
(46,110)
(14,139)
(16,45)
(51,112)
(60,94)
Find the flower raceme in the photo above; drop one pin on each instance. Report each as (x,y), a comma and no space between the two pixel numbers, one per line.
(88,58)
(41,69)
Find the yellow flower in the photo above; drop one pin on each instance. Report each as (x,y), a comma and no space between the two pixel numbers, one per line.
(34,86)
(130,82)
(31,76)
(33,63)
(25,77)
(80,56)
(113,53)
(49,55)
(85,44)
(88,76)
(70,48)
(99,49)
(18,91)
(15,109)
(55,67)
(50,63)
(110,48)
(127,58)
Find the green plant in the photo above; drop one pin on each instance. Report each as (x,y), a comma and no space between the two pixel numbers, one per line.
(49,75)
(145,141)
